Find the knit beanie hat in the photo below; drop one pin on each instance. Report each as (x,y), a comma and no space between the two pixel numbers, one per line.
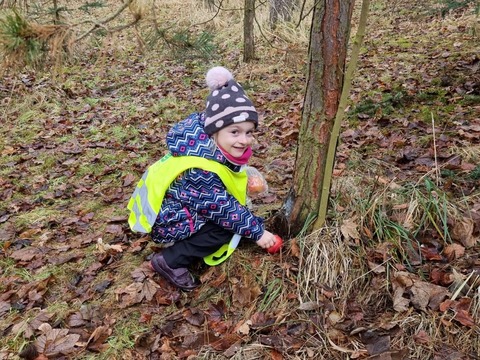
(227,103)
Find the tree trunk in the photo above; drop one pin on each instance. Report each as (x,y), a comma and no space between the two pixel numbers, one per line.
(56,19)
(209,4)
(327,54)
(281,10)
(248,40)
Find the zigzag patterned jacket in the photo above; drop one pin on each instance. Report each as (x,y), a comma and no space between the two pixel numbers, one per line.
(198,196)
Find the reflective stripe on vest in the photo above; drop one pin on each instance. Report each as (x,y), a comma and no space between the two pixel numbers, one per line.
(145,203)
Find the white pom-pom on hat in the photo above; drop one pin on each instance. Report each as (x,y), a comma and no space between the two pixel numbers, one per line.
(217,77)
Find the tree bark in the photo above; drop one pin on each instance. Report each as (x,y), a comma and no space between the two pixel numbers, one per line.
(248,39)
(329,35)
(347,84)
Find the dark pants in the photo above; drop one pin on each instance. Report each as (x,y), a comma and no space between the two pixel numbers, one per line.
(204,242)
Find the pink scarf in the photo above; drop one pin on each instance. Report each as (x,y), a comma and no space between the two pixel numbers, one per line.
(241,160)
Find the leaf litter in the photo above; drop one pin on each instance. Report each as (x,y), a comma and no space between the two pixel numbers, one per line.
(63,213)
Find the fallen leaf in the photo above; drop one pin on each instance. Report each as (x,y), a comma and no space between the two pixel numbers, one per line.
(29,326)
(129,179)
(295,248)
(422,337)
(26,254)
(245,292)
(96,342)
(243,328)
(105,248)
(216,312)
(194,316)
(349,229)
(55,342)
(454,251)
(464,318)
(462,232)
(225,342)
(426,294)
(309,306)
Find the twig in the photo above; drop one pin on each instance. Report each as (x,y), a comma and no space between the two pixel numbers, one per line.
(302,17)
(437,169)
(219,7)
(102,23)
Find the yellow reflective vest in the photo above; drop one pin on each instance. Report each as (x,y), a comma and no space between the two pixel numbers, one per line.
(145,203)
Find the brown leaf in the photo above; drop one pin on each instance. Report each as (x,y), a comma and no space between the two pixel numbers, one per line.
(56,341)
(62,259)
(462,232)
(41,357)
(425,294)
(431,253)
(349,229)
(275,355)
(440,277)
(129,179)
(232,350)
(309,306)
(145,318)
(243,327)
(400,304)
(422,337)
(4,307)
(114,229)
(75,319)
(376,342)
(464,318)
(149,289)
(29,233)
(166,297)
(216,311)
(29,326)
(260,320)
(244,292)
(142,272)
(295,248)
(26,254)
(130,295)
(98,338)
(194,316)
(225,342)
(271,340)
(454,251)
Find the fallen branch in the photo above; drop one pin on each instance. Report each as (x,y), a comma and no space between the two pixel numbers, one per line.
(101,23)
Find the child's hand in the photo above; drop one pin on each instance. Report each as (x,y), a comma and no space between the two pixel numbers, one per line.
(267,240)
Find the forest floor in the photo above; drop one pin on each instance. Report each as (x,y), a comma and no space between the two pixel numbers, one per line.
(393,275)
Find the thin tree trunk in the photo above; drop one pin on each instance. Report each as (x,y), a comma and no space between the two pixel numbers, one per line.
(327,53)
(248,39)
(347,82)
(56,20)
(280,10)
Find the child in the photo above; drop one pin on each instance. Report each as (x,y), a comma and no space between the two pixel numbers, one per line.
(194,198)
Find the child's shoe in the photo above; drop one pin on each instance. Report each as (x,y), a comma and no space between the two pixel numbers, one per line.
(180,277)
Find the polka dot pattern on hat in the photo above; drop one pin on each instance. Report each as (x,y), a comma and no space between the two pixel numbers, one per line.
(227,103)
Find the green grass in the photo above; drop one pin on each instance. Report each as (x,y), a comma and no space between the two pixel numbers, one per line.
(37,217)
(475,173)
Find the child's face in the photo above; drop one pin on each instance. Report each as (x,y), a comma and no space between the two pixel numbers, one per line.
(235,138)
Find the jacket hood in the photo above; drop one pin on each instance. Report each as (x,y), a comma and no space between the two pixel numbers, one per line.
(187,138)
